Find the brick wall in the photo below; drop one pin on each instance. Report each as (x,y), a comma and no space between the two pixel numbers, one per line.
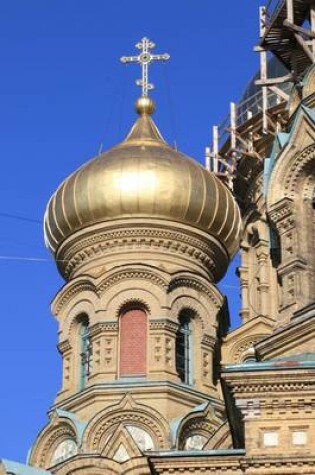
(133,343)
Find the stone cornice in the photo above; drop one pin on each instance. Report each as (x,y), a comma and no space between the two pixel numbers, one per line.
(220,461)
(64,346)
(293,265)
(293,385)
(208,340)
(101,241)
(146,385)
(276,343)
(251,405)
(163,324)
(101,327)
(281,215)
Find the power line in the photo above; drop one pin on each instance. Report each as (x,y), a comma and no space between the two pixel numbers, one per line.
(20,218)
(24,258)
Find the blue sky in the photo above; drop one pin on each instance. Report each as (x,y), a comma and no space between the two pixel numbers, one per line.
(63,95)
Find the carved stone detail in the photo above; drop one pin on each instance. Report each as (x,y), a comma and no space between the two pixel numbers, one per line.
(126,417)
(133,275)
(158,350)
(208,340)
(73,254)
(282,215)
(109,351)
(275,387)
(103,327)
(163,325)
(300,164)
(64,346)
(169,351)
(76,289)
(244,346)
(195,426)
(194,284)
(59,434)
(206,364)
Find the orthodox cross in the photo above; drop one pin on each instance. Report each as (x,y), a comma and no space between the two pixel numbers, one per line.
(144,59)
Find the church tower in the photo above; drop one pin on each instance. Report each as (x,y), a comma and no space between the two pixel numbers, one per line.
(152,381)
(141,234)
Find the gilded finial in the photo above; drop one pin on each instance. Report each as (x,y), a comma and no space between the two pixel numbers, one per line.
(145,105)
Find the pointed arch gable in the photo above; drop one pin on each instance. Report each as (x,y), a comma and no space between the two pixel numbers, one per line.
(70,291)
(62,425)
(292,159)
(203,420)
(126,411)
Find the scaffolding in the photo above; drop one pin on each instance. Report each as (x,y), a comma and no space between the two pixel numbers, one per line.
(287,30)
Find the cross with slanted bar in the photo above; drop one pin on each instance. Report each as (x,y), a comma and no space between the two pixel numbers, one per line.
(144,59)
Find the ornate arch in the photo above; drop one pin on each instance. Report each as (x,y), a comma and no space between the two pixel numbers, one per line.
(70,291)
(126,412)
(185,298)
(309,189)
(57,430)
(123,296)
(141,274)
(198,284)
(83,307)
(241,348)
(301,169)
(293,163)
(203,423)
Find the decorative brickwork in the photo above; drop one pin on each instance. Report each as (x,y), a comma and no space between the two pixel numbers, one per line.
(133,343)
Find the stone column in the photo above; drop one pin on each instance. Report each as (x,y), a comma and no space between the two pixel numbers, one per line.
(263,287)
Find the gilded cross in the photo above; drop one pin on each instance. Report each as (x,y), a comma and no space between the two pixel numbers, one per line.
(145,58)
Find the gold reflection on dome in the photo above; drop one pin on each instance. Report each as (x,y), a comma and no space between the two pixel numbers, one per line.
(140,181)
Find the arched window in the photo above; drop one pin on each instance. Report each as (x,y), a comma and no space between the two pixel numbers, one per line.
(184,347)
(85,350)
(133,343)
(249,355)
(64,450)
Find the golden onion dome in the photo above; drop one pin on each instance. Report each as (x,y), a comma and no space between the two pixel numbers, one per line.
(143,177)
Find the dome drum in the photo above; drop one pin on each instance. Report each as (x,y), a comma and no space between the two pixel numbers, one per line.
(153,242)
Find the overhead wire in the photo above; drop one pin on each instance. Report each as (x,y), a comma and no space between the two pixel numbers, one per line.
(20,218)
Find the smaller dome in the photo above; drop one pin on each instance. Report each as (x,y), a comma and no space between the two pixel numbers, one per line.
(143,178)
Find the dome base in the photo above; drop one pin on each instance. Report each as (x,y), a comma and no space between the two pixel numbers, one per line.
(162,244)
